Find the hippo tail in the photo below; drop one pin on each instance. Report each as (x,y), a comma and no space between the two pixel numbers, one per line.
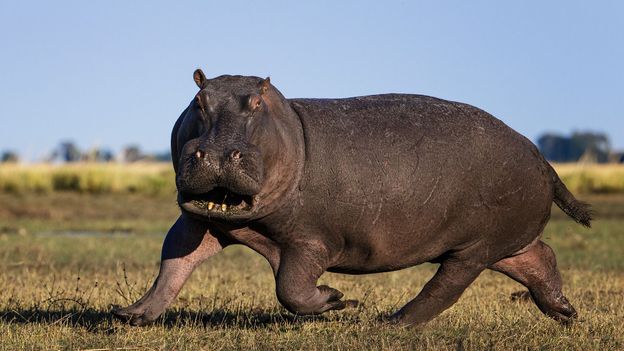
(579,211)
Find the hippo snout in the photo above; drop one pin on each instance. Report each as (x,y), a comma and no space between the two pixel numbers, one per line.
(215,182)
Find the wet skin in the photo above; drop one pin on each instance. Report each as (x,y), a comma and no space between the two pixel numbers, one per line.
(358,185)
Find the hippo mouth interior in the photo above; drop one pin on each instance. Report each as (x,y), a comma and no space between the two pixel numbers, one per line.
(220,199)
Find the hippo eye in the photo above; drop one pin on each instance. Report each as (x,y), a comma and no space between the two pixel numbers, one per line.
(199,103)
(254,102)
(203,114)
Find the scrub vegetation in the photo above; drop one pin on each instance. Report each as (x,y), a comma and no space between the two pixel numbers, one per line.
(88,178)
(157,178)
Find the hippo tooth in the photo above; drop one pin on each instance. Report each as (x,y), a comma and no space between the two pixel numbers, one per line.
(224,207)
(210,205)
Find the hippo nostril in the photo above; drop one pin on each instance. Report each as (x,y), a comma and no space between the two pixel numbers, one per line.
(235,155)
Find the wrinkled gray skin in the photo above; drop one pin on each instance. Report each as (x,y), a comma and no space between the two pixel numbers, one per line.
(359,185)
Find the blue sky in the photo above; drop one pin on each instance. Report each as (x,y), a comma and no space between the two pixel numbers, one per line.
(111,73)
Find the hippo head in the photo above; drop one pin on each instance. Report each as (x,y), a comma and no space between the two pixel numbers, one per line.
(233,148)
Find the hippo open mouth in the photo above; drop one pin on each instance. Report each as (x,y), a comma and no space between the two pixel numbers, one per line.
(217,202)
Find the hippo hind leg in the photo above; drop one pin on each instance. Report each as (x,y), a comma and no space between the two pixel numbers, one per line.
(453,277)
(536,268)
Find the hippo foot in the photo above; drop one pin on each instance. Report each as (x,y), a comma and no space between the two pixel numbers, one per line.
(130,316)
(331,293)
(342,304)
(334,297)
(562,311)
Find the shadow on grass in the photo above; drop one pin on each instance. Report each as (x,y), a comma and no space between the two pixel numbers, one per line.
(103,321)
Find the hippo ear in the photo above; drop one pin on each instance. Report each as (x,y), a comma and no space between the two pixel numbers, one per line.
(199,78)
(264,85)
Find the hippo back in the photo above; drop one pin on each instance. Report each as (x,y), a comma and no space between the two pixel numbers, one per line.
(411,166)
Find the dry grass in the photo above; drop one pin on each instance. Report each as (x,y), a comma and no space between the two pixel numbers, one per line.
(92,178)
(57,290)
(592,179)
(157,178)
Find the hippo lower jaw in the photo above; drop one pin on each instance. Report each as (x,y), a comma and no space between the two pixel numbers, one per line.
(217,203)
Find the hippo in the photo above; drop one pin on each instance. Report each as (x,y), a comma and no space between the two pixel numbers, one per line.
(358,185)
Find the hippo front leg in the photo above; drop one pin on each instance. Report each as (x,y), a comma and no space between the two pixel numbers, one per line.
(296,283)
(186,245)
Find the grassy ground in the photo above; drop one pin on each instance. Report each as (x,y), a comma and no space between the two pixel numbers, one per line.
(57,288)
(78,212)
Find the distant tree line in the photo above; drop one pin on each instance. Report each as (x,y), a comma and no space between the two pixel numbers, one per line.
(9,156)
(68,152)
(587,147)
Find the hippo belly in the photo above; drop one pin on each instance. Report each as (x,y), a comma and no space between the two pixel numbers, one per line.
(414,178)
